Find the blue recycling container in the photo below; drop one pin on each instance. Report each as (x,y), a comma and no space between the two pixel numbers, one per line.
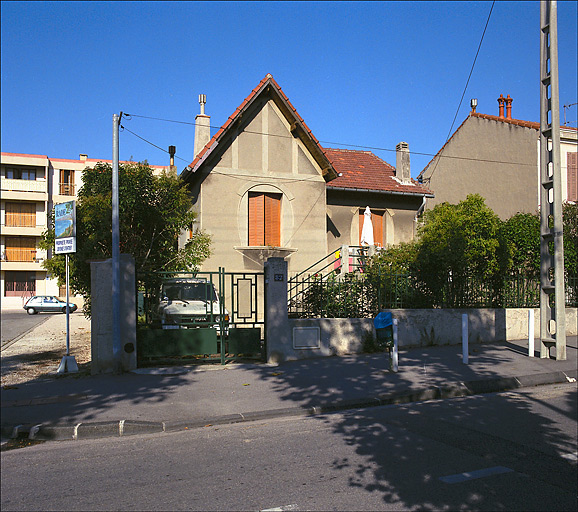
(383,324)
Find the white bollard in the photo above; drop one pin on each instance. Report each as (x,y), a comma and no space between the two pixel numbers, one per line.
(531,333)
(395,353)
(465,338)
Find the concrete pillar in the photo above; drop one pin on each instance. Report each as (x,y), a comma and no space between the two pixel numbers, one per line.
(202,127)
(103,360)
(279,336)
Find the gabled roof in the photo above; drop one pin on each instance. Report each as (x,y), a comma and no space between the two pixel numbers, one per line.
(364,171)
(298,128)
(516,122)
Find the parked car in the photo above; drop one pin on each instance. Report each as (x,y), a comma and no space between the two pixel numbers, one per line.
(189,303)
(47,304)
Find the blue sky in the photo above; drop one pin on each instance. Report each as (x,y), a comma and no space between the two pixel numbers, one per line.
(367,74)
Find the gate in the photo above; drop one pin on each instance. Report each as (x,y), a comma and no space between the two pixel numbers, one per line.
(210,316)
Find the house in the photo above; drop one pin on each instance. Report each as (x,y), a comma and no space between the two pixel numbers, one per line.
(264,186)
(498,158)
(31,186)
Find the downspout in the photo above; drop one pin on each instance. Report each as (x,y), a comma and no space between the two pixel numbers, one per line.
(419,210)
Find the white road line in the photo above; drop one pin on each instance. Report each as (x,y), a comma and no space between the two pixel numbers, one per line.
(573,457)
(472,475)
(285,508)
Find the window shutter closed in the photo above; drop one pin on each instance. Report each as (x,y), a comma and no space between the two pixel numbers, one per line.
(572,172)
(256,219)
(264,219)
(377,222)
(272,220)
(21,215)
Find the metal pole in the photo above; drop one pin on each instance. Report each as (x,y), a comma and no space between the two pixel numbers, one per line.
(531,333)
(395,361)
(67,311)
(465,338)
(116,345)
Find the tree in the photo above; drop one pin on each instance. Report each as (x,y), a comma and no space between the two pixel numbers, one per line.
(153,212)
(523,234)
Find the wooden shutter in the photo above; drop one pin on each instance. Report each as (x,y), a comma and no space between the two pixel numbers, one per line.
(21,215)
(20,249)
(572,173)
(264,219)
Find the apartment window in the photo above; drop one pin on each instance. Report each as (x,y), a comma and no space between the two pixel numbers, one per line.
(19,284)
(21,215)
(572,172)
(20,248)
(264,219)
(66,182)
(16,173)
(377,222)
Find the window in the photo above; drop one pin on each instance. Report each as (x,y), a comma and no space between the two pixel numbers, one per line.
(21,215)
(377,222)
(572,172)
(20,248)
(20,284)
(66,182)
(264,219)
(16,173)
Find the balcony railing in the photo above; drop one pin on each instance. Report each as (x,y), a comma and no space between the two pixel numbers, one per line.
(24,185)
(66,189)
(21,254)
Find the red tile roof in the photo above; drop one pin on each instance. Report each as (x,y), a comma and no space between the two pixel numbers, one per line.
(262,86)
(362,170)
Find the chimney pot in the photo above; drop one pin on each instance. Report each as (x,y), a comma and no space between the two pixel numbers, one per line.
(508,101)
(501,101)
(474,104)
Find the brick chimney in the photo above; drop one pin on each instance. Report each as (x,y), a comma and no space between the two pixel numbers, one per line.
(402,169)
(508,101)
(501,101)
(202,127)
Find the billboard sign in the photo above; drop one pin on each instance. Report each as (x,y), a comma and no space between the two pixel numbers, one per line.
(65,227)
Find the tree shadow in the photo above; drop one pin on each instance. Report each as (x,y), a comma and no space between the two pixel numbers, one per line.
(395,443)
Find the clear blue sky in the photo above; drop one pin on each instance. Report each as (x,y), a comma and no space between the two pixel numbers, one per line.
(369,74)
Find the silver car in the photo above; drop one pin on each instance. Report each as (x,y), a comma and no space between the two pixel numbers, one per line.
(48,304)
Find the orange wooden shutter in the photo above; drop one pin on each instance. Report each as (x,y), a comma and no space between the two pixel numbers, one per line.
(21,214)
(256,219)
(377,222)
(572,162)
(272,220)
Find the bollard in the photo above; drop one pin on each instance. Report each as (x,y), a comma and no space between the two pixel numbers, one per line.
(465,338)
(531,333)
(395,353)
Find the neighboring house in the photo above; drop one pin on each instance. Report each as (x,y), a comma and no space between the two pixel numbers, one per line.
(498,158)
(31,186)
(264,186)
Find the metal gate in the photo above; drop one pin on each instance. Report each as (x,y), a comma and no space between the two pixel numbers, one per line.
(210,316)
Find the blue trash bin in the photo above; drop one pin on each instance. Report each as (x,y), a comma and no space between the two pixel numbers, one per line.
(383,324)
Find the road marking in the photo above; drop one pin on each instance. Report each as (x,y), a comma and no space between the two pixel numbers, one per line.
(573,457)
(285,508)
(472,475)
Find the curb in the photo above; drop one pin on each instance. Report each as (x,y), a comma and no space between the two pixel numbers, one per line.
(96,430)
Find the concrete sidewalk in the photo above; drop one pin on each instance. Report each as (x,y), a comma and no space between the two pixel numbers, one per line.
(176,398)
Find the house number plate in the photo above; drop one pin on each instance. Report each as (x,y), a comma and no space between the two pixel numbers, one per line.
(278,277)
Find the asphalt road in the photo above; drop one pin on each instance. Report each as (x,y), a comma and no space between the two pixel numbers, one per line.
(506,451)
(15,323)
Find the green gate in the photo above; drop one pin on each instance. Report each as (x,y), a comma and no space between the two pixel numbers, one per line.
(209,316)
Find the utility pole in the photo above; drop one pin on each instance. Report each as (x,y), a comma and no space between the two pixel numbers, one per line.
(552,296)
(116,342)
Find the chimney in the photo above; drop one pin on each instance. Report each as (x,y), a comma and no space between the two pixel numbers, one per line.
(508,107)
(501,101)
(83,157)
(172,151)
(402,170)
(202,127)
(474,104)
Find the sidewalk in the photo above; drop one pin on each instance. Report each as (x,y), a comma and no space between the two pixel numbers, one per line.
(177,398)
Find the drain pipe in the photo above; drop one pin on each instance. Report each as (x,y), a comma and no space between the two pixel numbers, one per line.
(419,210)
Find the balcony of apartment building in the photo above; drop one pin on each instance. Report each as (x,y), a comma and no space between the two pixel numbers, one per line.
(65,188)
(21,253)
(24,183)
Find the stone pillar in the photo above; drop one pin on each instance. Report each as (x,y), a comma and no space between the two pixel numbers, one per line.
(103,360)
(279,338)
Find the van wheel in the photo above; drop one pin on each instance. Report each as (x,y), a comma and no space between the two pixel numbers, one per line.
(31,311)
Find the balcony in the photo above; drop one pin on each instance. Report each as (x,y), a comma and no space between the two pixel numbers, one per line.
(67,189)
(21,189)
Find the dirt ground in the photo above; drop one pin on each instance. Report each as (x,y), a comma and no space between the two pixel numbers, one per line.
(37,355)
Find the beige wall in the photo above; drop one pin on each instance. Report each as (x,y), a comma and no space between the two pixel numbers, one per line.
(508,187)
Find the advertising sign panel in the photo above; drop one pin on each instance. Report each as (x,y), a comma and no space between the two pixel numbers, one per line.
(65,227)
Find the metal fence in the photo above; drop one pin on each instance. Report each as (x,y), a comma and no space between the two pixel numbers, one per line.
(359,295)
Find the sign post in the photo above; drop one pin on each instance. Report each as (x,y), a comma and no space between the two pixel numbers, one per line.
(65,243)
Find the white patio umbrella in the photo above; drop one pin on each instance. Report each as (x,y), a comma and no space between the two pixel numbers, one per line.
(367,230)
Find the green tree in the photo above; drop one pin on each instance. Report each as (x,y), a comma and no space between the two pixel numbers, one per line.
(570,217)
(523,234)
(153,211)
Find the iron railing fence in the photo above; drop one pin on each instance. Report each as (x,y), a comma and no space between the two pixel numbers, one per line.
(359,295)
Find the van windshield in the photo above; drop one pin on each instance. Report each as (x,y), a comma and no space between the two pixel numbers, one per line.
(189,291)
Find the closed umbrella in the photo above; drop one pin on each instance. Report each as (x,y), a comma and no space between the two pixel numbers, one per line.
(367,230)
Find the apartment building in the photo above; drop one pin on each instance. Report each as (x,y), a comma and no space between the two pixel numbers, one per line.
(31,185)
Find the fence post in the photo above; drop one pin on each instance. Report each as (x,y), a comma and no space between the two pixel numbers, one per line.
(531,333)
(278,334)
(395,347)
(465,338)
(345,259)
